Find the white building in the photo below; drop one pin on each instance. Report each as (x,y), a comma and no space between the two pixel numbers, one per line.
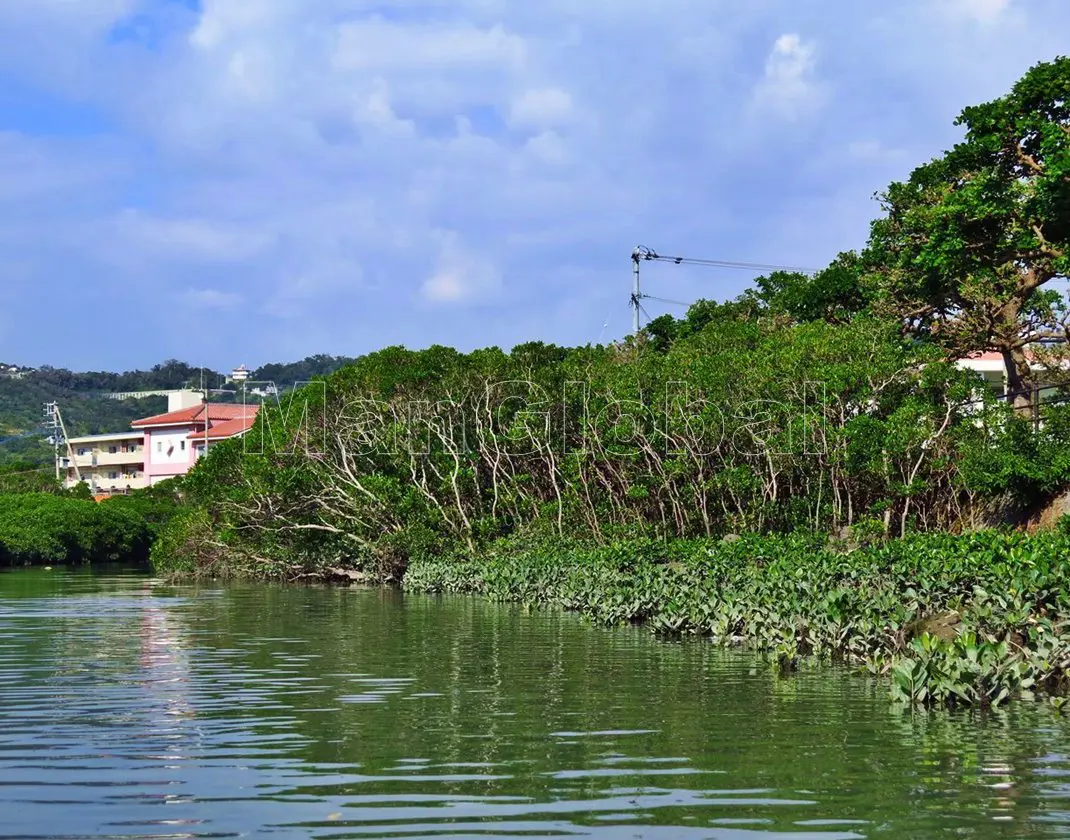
(107,463)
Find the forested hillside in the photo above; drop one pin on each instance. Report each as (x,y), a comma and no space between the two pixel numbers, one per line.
(86,410)
(287,374)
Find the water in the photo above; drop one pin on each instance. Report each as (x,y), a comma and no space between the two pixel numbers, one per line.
(132,709)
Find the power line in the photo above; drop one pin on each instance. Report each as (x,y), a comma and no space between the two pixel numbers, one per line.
(4,474)
(644,254)
(647,314)
(648,254)
(665,300)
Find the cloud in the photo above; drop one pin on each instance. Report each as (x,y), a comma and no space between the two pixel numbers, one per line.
(460,276)
(381,45)
(541,107)
(978,11)
(373,108)
(790,87)
(187,239)
(874,151)
(211,298)
(349,168)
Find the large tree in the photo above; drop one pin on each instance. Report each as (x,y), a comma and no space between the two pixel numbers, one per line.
(968,243)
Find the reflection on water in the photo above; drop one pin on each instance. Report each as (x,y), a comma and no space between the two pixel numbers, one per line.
(132,709)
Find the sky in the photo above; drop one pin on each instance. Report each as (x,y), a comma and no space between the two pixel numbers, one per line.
(243,181)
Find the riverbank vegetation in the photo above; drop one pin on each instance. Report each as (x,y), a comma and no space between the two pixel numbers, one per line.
(957,620)
(809,406)
(49,526)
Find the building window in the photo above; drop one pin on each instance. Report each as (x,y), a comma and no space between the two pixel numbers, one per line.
(82,450)
(159,446)
(113,475)
(112,450)
(183,447)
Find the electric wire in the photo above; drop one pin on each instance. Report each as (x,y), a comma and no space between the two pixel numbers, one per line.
(664,300)
(24,472)
(649,254)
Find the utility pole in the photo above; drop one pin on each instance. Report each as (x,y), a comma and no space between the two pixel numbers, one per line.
(205,387)
(58,437)
(636,295)
(641,253)
(52,422)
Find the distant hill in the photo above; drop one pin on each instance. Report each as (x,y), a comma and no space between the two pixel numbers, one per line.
(287,374)
(24,392)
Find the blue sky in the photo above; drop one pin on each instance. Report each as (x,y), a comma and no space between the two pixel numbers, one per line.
(243,181)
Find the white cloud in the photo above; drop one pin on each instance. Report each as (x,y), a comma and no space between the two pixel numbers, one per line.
(307,155)
(211,298)
(225,20)
(979,11)
(374,108)
(790,87)
(187,239)
(541,107)
(380,45)
(548,147)
(874,151)
(460,275)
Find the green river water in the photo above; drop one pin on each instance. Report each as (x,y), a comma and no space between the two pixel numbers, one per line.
(133,709)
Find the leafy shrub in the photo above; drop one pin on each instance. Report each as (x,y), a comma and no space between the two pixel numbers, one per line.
(42,528)
(954,620)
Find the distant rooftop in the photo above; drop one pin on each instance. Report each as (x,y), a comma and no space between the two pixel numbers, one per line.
(213,412)
(227,428)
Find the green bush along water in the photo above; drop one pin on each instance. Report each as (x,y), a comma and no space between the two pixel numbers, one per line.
(45,528)
(955,620)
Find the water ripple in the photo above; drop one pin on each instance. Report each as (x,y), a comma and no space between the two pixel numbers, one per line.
(136,710)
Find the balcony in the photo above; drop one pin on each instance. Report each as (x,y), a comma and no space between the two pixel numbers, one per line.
(100,482)
(109,459)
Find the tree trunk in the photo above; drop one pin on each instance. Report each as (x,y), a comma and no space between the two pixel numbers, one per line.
(1019,378)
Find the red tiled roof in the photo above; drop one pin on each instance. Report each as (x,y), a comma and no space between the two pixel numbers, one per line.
(996,356)
(217,413)
(227,428)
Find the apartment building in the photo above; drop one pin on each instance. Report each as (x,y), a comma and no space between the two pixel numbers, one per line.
(157,448)
(107,463)
(174,441)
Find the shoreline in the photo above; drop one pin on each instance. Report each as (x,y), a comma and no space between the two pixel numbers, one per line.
(973,620)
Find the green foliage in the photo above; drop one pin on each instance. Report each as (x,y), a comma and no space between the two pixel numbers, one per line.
(599,478)
(1025,461)
(968,242)
(44,528)
(744,423)
(966,620)
(22,440)
(836,294)
(180,548)
(25,477)
(288,374)
(153,506)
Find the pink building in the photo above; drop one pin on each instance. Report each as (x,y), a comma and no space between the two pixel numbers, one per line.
(173,441)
